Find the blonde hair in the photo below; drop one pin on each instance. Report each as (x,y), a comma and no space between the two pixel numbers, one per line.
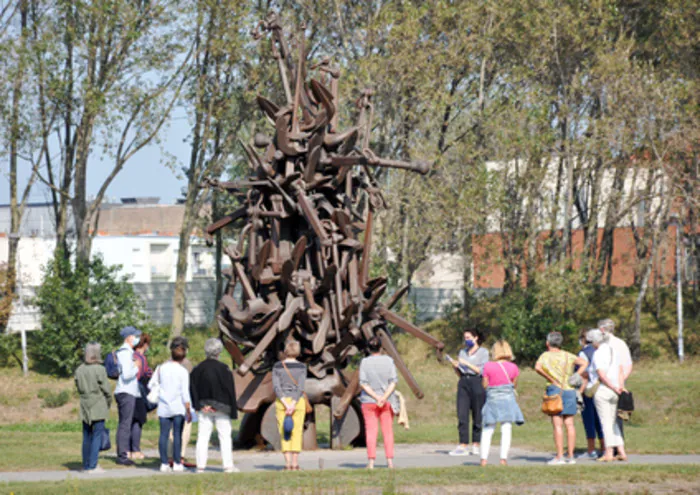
(501,350)
(292,349)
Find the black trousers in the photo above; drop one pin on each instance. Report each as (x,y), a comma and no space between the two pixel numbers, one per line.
(470,399)
(125,406)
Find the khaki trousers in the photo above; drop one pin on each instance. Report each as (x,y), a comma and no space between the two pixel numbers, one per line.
(606,405)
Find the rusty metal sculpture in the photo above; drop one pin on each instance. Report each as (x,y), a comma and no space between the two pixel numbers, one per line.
(302,260)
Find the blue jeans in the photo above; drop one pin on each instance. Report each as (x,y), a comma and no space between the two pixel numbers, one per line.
(92,441)
(176,423)
(591,421)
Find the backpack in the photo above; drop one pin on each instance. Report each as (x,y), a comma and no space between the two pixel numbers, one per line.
(112,365)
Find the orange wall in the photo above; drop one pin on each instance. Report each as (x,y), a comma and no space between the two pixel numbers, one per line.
(487,252)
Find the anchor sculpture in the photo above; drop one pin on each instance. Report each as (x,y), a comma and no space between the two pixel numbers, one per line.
(302,261)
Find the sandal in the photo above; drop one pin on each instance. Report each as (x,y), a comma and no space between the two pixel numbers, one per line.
(287,468)
(605,459)
(620,457)
(296,468)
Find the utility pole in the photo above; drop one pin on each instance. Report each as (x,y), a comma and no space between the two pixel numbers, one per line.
(675,220)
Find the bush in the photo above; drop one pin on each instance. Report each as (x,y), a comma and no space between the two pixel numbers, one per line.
(81,305)
(53,399)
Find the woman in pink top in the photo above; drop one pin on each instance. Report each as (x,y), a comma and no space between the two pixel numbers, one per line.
(499,379)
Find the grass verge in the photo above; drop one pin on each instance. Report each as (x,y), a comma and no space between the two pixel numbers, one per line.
(611,479)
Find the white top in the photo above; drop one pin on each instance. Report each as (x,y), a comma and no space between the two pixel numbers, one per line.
(621,350)
(605,359)
(174,389)
(127,383)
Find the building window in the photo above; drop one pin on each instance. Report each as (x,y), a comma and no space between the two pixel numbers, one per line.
(161,262)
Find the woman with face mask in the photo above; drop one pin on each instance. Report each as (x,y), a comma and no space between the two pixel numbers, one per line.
(470,392)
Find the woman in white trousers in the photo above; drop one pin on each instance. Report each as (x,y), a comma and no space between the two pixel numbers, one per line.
(214,398)
(606,374)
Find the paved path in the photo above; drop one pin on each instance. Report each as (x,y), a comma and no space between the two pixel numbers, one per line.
(407,456)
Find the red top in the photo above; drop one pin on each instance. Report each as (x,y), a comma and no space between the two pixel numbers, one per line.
(495,374)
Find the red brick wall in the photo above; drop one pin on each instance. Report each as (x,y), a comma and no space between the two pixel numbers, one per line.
(487,252)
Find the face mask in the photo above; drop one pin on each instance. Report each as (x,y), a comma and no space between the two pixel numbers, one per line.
(135,342)
(469,343)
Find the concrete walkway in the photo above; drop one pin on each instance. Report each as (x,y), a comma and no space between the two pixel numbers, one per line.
(406,456)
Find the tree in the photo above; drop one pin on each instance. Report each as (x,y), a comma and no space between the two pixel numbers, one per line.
(216,101)
(110,72)
(77,308)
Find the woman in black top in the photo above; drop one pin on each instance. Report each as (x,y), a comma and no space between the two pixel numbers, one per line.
(214,398)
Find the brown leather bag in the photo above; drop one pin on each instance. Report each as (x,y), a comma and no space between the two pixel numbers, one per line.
(553,404)
(309,407)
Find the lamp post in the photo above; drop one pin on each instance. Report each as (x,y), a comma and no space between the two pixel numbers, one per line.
(675,220)
(20,316)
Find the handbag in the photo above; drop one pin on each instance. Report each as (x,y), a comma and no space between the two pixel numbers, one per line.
(554,404)
(590,392)
(154,385)
(105,444)
(309,407)
(150,406)
(625,402)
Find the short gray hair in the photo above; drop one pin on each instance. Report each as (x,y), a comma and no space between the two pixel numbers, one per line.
(594,336)
(555,339)
(607,325)
(212,348)
(93,353)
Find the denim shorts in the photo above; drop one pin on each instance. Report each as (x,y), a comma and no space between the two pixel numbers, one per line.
(568,398)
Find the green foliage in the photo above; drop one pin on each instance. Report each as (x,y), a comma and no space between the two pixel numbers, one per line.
(80,305)
(52,399)
(10,350)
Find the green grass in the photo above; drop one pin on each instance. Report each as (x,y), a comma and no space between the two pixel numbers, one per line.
(611,479)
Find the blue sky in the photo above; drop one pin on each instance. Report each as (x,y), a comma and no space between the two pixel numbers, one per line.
(144,175)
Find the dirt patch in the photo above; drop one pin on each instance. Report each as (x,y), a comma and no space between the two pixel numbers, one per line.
(19,402)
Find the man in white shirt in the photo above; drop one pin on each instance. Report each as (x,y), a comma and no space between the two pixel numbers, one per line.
(622,354)
(126,392)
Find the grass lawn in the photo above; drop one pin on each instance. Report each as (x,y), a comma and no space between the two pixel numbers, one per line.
(666,394)
(612,479)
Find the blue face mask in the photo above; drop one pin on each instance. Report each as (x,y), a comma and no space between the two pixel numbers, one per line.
(136,341)
(469,343)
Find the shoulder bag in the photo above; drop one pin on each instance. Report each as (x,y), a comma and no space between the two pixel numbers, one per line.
(154,385)
(553,404)
(309,407)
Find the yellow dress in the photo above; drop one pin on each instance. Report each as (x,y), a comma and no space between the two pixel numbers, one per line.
(294,442)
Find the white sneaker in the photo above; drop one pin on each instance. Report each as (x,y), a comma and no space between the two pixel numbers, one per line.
(164,468)
(459,450)
(200,471)
(233,469)
(556,462)
(475,450)
(571,460)
(178,468)
(585,455)
(96,470)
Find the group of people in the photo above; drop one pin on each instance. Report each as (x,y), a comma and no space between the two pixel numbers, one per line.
(486,397)
(591,381)
(176,389)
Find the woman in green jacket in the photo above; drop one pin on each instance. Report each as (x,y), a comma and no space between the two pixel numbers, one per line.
(95,399)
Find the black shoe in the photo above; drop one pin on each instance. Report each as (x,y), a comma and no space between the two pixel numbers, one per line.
(125,462)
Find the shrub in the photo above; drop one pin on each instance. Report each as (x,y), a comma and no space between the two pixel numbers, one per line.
(80,305)
(53,399)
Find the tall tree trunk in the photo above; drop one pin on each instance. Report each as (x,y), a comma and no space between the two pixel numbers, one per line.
(16,209)
(179,297)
